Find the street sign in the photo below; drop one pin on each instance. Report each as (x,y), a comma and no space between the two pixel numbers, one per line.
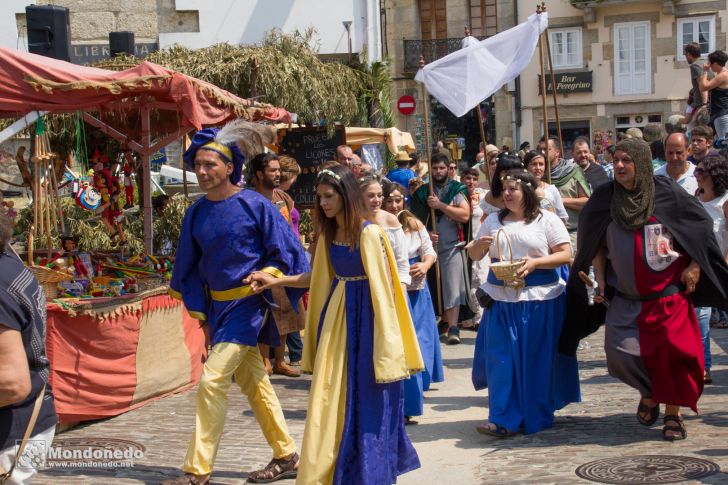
(406,105)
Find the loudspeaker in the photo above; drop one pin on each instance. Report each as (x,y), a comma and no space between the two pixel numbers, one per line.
(49,31)
(121,43)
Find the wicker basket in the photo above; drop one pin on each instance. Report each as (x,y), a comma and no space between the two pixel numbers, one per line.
(507,271)
(49,279)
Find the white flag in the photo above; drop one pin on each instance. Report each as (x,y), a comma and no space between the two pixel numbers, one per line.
(463,79)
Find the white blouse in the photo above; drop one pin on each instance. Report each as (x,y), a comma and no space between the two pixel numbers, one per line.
(415,239)
(553,199)
(714,208)
(399,246)
(533,240)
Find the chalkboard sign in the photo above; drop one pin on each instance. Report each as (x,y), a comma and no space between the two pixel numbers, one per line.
(311,147)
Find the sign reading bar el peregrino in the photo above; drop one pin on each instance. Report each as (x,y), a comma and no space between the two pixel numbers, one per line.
(311,147)
(568,82)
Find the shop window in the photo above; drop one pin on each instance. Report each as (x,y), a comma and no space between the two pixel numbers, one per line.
(696,29)
(632,59)
(566,51)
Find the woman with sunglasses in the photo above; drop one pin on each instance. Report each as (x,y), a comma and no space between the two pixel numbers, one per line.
(360,343)
(718,89)
(712,177)
(422,257)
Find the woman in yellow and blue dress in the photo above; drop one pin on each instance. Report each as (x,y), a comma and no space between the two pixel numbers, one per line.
(360,344)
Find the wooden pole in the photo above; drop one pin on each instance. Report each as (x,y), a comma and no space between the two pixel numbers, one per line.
(428,151)
(553,84)
(183,148)
(540,9)
(146,197)
(57,198)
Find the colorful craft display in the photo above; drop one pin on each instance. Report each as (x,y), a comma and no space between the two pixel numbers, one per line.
(105,275)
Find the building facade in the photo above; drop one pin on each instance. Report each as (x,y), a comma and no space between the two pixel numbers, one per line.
(617,64)
(435,28)
(342,26)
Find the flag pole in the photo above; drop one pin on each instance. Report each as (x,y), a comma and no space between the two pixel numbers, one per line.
(553,81)
(428,150)
(539,10)
(483,139)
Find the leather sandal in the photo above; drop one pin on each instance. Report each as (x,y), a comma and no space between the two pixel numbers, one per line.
(277,469)
(654,413)
(188,479)
(498,431)
(680,428)
(286,370)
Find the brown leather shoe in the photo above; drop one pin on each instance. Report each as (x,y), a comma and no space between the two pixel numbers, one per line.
(277,469)
(286,370)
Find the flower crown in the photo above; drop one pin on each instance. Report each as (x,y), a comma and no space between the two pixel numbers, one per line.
(328,172)
(514,179)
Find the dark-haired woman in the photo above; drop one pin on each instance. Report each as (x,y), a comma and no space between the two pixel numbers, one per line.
(549,195)
(718,88)
(527,379)
(712,177)
(360,343)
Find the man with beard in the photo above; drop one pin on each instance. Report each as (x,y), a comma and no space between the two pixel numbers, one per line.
(594,173)
(569,178)
(451,202)
(225,236)
(265,170)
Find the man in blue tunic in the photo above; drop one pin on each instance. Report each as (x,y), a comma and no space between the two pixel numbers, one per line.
(225,236)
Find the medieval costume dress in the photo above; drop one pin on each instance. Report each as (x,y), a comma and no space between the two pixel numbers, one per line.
(651,234)
(222,242)
(423,315)
(516,349)
(360,344)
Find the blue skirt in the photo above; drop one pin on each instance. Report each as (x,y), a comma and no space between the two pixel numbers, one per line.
(516,357)
(423,316)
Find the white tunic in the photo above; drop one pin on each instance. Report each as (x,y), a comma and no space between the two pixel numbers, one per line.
(417,239)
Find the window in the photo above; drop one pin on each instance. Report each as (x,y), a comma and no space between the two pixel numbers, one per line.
(483,18)
(632,59)
(566,48)
(696,29)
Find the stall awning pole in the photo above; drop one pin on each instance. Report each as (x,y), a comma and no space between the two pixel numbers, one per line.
(146,202)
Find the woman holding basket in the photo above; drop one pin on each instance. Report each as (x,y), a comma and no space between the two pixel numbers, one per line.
(527,379)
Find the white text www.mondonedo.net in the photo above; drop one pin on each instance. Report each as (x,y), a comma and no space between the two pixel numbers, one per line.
(88,464)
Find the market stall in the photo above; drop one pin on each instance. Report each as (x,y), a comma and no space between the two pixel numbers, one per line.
(114,343)
(111,355)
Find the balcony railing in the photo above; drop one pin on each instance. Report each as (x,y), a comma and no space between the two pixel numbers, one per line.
(430,49)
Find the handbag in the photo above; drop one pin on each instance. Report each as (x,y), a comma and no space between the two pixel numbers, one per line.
(5,476)
(418,283)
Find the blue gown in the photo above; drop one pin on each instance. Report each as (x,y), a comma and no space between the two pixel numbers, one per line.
(423,316)
(355,424)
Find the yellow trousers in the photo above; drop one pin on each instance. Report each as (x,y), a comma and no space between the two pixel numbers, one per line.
(246,364)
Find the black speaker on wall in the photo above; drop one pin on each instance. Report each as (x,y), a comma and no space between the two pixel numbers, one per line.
(121,43)
(49,31)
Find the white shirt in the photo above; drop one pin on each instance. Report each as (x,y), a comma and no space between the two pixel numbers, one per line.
(533,240)
(415,240)
(553,196)
(399,246)
(714,208)
(686,181)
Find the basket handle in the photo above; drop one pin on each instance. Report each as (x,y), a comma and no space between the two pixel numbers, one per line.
(508,242)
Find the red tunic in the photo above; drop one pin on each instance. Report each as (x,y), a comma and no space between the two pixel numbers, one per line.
(670,341)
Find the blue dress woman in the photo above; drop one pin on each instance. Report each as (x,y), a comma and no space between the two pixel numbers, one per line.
(422,256)
(527,379)
(360,344)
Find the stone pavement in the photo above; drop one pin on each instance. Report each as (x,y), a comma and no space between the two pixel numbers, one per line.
(451,451)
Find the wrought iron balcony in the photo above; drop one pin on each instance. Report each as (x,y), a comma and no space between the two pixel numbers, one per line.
(430,49)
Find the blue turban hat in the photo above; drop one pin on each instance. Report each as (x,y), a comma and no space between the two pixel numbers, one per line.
(229,152)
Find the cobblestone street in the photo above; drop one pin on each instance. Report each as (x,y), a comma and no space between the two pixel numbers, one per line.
(450,449)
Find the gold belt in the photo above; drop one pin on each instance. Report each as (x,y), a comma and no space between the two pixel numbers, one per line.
(351,278)
(232,293)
